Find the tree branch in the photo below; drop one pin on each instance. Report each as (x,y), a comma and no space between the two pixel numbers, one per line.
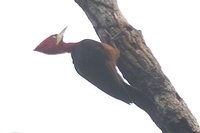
(140,68)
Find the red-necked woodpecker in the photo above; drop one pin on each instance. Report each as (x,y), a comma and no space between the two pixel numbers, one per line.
(94,61)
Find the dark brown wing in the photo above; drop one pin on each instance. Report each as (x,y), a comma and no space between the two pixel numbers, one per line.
(92,62)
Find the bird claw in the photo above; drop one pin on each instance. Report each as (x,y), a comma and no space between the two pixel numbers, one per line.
(112,38)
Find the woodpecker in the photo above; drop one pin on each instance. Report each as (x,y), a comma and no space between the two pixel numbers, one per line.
(94,61)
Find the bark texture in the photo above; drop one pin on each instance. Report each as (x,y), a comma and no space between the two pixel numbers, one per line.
(140,68)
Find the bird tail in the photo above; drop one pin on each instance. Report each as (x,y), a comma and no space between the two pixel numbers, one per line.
(139,98)
(135,95)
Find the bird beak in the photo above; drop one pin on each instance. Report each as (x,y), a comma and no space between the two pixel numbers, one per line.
(59,36)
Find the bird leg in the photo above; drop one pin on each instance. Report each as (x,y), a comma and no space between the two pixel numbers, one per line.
(113,55)
(112,38)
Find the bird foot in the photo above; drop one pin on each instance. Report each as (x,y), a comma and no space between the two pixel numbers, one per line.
(113,38)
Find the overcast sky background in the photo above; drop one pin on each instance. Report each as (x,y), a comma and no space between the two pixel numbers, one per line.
(43,94)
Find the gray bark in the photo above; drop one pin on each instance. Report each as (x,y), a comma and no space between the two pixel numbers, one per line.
(140,68)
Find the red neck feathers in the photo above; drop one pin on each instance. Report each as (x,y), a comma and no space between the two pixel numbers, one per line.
(66,47)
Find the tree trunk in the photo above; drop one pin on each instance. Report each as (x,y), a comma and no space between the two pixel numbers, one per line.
(140,68)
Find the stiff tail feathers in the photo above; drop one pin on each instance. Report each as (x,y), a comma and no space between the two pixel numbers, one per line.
(136,96)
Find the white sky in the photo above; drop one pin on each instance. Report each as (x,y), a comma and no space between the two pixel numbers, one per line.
(44,94)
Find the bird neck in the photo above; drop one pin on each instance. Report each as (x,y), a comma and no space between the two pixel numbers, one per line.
(68,47)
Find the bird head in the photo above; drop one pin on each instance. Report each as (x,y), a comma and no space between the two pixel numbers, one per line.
(52,44)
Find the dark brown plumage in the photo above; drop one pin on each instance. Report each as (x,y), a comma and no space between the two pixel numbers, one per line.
(94,61)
